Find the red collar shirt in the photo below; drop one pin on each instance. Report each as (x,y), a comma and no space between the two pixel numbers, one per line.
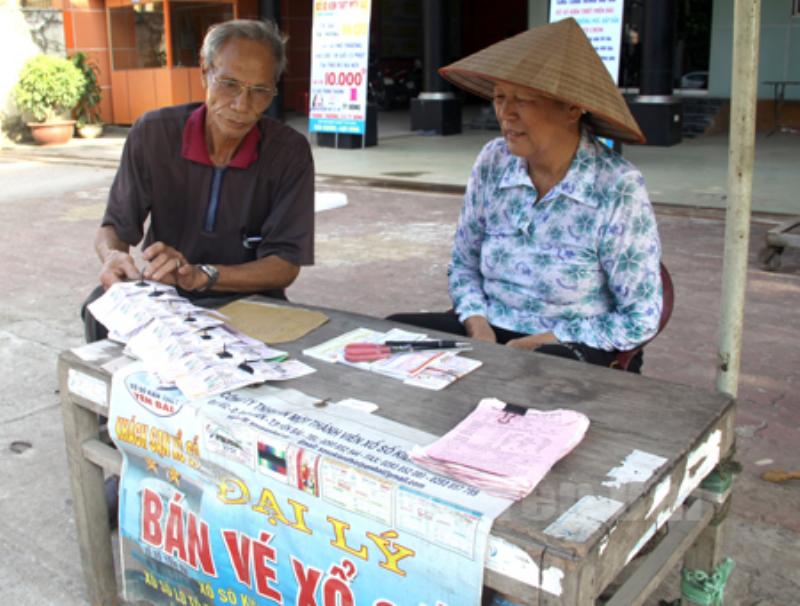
(261,204)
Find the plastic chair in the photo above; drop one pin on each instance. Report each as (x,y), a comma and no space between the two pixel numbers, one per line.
(624,358)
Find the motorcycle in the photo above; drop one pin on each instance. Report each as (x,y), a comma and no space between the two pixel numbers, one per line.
(394,88)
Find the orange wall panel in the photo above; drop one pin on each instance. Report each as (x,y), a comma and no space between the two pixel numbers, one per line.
(106,107)
(69,31)
(90,29)
(196,90)
(141,91)
(162,79)
(103,63)
(119,98)
(124,29)
(180,85)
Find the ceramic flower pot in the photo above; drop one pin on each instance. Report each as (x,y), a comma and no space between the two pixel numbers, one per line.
(52,133)
(90,131)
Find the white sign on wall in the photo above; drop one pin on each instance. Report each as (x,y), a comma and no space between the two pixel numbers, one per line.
(601,21)
(339,56)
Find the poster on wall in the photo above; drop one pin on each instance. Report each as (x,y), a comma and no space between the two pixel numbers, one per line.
(601,21)
(339,56)
(256,497)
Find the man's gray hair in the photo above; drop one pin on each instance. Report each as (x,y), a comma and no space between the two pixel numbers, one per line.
(265,32)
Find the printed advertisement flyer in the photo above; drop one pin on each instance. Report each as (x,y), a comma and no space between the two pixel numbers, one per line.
(339,57)
(601,21)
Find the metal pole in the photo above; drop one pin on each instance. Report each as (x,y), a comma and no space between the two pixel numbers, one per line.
(741,150)
(433,24)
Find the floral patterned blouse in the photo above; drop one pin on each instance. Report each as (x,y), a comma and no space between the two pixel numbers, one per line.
(582,262)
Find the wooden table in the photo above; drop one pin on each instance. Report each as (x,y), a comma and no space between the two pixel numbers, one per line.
(691,428)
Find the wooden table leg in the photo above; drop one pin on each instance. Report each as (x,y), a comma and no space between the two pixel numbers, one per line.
(91,516)
(706,554)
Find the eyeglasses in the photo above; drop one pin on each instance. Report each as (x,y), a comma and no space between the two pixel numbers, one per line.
(503,101)
(260,95)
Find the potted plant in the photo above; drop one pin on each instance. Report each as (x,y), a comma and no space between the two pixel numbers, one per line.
(48,88)
(87,112)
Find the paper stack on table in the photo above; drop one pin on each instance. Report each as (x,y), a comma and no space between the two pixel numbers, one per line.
(185,345)
(431,369)
(502,449)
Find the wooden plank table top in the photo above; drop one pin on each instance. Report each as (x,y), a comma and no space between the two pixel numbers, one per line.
(690,428)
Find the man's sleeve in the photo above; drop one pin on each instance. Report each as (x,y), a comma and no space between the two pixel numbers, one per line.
(129,200)
(288,231)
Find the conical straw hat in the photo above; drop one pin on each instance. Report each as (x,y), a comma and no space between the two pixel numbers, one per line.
(556,60)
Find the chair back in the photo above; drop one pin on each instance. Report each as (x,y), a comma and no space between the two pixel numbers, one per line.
(624,358)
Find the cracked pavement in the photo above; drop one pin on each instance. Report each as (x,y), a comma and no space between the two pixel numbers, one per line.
(390,249)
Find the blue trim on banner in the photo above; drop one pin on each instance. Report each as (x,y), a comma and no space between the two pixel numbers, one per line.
(348,127)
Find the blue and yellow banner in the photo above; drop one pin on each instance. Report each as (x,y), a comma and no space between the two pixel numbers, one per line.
(258,497)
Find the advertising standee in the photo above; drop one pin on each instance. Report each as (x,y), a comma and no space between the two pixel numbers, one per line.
(601,21)
(339,59)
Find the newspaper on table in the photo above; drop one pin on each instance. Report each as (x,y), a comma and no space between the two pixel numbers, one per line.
(432,369)
(185,345)
(504,450)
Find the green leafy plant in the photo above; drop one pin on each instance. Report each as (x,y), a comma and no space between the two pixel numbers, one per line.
(48,86)
(87,111)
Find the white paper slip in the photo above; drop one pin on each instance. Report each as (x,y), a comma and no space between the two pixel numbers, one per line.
(443,371)
(278,371)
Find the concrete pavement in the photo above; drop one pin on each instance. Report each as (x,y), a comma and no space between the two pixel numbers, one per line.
(390,247)
(692,173)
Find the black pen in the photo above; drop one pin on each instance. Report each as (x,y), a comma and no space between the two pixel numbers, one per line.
(430,344)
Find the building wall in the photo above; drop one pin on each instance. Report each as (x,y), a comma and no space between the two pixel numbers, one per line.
(779,48)
(85,30)
(537,13)
(296,22)
(17,45)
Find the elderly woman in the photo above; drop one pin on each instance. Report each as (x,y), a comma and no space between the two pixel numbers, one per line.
(556,248)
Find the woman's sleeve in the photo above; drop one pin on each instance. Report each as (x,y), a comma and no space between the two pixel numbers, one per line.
(630,255)
(464,275)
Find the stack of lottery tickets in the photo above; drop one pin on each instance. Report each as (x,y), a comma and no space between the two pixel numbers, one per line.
(504,450)
(185,345)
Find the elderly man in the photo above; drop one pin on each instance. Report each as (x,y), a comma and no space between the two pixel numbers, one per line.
(229,191)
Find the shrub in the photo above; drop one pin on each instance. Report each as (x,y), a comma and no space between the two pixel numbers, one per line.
(87,111)
(48,86)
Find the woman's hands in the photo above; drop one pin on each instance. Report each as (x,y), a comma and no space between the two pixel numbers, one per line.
(478,328)
(533,341)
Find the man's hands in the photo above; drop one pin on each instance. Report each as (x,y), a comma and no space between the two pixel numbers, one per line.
(118,266)
(164,263)
(168,266)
